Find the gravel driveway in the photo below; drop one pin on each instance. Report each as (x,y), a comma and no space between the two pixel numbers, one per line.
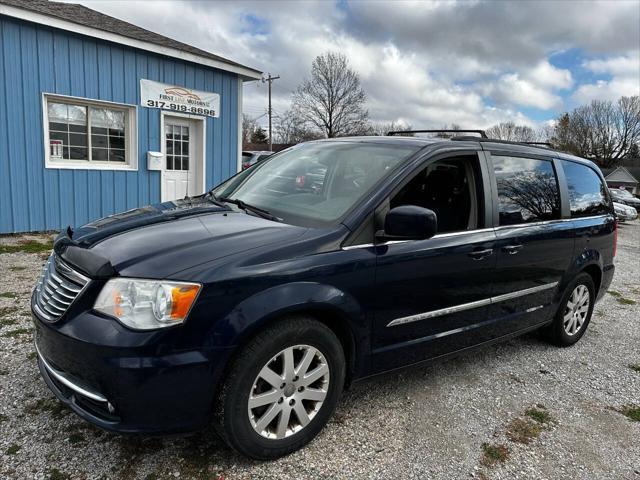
(521,409)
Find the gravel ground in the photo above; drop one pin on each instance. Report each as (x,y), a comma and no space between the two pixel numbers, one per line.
(521,409)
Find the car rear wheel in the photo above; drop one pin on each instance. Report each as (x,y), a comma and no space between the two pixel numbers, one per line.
(281,389)
(574,314)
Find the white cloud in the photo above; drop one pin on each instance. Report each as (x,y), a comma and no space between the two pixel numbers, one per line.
(621,65)
(513,89)
(428,63)
(624,73)
(546,75)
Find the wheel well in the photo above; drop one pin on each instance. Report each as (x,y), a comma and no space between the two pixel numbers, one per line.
(334,321)
(340,327)
(596,274)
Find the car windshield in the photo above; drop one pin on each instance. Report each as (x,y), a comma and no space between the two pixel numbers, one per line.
(315,183)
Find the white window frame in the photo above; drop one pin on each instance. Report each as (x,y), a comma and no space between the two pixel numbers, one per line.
(131,135)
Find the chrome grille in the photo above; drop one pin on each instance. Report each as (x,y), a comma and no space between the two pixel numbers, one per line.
(58,287)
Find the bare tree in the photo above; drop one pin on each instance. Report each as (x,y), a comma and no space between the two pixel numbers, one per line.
(332,99)
(534,194)
(249,126)
(602,130)
(512,132)
(289,128)
(454,126)
(382,128)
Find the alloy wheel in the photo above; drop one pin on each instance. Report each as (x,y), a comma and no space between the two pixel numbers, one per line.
(576,310)
(288,392)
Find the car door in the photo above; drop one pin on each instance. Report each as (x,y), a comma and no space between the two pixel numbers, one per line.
(431,296)
(534,239)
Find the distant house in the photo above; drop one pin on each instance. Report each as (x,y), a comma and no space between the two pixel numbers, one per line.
(98,116)
(623,177)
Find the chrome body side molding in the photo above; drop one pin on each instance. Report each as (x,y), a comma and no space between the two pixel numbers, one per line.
(468,306)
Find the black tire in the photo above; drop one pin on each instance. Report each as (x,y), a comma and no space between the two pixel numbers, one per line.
(232,415)
(556,332)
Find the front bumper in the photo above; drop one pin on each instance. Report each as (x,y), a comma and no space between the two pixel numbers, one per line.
(126,381)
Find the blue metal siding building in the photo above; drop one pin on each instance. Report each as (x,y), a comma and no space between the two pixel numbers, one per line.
(37,59)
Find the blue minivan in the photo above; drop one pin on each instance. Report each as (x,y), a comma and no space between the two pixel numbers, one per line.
(254,305)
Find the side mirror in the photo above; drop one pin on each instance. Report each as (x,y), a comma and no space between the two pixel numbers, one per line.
(410,222)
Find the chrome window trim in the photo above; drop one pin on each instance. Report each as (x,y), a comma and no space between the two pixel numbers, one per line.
(65,380)
(439,235)
(468,306)
(547,222)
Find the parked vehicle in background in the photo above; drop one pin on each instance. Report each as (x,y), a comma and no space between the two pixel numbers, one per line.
(625,213)
(250,158)
(256,303)
(625,197)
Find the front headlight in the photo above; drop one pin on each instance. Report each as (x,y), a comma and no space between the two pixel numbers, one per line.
(147,304)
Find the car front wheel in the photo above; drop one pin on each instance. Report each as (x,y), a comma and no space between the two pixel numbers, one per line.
(281,389)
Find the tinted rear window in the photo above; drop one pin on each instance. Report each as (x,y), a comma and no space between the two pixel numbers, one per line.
(586,190)
(527,190)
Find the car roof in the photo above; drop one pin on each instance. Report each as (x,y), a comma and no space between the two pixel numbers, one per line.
(487,143)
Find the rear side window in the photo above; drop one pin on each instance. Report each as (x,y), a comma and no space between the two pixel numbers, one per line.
(527,190)
(586,190)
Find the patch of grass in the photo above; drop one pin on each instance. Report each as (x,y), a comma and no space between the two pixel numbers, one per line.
(76,438)
(27,246)
(8,295)
(15,333)
(17,268)
(5,322)
(13,449)
(4,311)
(55,474)
(32,355)
(3,418)
(631,412)
(47,405)
(523,431)
(539,414)
(614,293)
(625,301)
(492,454)
(635,367)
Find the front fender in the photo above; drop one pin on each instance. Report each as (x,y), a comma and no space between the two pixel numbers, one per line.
(253,313)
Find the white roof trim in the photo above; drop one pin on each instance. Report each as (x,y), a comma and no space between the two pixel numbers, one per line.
(624,175)
(35,17)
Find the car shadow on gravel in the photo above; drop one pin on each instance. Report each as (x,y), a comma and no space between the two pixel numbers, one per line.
(461,364)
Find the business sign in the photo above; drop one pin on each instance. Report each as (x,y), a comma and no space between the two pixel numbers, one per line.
(178,99)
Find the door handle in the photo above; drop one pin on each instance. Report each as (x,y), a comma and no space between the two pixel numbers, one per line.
(512,249)
(480,254)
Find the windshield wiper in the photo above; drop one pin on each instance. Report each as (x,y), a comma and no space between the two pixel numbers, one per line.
(261,212)
(213,199)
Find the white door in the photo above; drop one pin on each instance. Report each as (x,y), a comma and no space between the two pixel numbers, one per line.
(179,148)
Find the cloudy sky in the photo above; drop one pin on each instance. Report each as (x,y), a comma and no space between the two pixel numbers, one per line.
(474,63)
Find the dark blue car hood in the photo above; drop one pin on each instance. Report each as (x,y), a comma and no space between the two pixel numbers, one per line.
(160,240)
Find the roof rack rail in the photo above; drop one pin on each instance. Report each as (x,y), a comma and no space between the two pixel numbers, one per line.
(482,133)
(463,138)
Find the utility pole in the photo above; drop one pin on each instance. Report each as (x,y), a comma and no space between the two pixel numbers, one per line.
(270,79)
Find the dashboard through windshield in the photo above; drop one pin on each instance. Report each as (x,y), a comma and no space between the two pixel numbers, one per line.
(315,183)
